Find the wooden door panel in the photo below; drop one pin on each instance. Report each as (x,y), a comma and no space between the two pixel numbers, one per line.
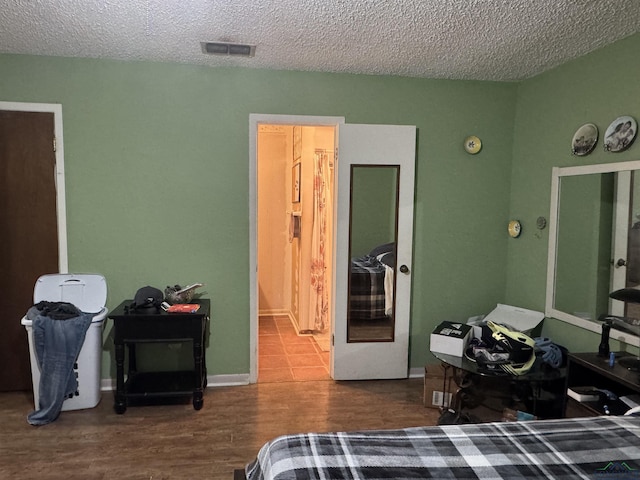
(364,146)
(28,226)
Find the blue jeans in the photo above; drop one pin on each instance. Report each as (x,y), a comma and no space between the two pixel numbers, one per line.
(57,344)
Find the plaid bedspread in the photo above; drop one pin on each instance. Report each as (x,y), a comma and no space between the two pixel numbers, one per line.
(601,448)
(366,295)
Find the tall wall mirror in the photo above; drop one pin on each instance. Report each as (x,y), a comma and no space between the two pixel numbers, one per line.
(373,223)
(594,245)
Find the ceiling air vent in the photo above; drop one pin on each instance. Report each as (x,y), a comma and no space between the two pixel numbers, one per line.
(225,48)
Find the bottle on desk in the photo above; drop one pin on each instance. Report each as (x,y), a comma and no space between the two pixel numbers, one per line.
(603,348)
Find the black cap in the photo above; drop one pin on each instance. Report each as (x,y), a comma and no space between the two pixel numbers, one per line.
(147,297)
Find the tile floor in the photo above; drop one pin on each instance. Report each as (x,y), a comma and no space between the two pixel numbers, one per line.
(285,356)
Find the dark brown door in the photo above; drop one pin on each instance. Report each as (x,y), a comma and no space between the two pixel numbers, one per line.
(28,231)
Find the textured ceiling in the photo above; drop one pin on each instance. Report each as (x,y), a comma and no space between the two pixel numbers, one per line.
(453,39)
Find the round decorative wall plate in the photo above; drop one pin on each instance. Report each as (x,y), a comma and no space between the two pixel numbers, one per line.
(584,140)
(514,228)
(472,144)
(620,134)
(541,223)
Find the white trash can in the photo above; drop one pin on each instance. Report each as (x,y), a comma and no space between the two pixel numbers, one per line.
(88,292)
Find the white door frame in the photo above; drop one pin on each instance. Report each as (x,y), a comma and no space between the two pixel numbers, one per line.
(61,208)
(620,240)
(254,120)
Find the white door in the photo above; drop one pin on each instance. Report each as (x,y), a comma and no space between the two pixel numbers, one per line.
(620,239)
(375,187)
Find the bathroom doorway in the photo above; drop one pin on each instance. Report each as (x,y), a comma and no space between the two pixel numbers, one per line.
(295,225)
(381,148)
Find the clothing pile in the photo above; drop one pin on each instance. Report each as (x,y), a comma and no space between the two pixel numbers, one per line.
(59,329)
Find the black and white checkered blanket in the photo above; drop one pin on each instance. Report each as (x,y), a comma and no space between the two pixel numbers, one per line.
(366,290)
(601,448)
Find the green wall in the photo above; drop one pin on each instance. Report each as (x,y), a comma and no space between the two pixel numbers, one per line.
(157,169)
(596,88)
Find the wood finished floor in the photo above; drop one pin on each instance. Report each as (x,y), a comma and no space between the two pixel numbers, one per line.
(177,442)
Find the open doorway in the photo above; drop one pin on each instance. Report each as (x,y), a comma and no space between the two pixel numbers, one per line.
(295,223)
(359,146)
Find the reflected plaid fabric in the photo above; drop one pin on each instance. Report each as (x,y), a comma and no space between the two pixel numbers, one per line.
(366,294)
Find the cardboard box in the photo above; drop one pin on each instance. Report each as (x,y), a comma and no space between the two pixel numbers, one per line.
(450,338)
(439,386)
(518,319)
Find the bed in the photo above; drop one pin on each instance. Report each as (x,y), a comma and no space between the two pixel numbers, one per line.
(580,448)
(371,284)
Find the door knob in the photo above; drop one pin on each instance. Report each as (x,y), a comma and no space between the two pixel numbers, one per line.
(621,262)
(404,269)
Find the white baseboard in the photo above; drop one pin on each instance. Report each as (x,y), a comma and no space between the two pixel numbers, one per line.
(228,380)
(109,384)
(274,312)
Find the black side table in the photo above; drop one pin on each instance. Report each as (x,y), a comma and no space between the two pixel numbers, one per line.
(158,326)
(590,369)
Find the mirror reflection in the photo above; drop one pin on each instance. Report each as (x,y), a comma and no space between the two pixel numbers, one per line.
(597,244)
(585,220)
(372,241)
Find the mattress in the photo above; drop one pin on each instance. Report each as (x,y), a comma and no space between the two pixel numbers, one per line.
(580,448)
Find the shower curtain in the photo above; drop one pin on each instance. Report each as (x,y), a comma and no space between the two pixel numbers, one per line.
(319,295)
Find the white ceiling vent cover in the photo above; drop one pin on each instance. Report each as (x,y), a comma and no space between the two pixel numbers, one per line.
(225,48)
